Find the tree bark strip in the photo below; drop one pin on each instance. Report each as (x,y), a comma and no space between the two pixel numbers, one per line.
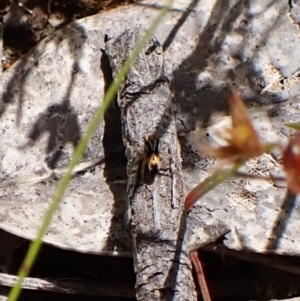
(155,189)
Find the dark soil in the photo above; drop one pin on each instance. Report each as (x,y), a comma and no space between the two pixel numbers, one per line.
(26,22)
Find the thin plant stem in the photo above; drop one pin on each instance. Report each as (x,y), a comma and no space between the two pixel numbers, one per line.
(111,92)
(259,177)
(293,125)
(195,258)
(208,184)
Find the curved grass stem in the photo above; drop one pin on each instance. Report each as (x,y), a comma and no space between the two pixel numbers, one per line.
(61,188)
(208,184)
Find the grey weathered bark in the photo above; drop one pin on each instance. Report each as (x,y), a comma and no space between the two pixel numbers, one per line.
(156,198)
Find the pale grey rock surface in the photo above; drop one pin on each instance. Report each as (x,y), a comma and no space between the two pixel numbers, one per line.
(48,97)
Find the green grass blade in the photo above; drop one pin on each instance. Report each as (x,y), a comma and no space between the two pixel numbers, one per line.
(36,244)
(292,125)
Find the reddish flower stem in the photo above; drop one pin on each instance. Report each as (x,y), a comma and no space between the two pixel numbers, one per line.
(196,260)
